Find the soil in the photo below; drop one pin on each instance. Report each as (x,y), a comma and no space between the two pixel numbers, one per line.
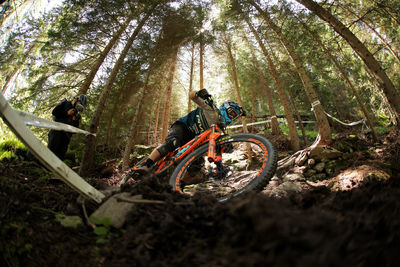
(321,225)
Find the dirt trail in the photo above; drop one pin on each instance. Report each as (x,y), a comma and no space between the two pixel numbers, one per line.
(316,227)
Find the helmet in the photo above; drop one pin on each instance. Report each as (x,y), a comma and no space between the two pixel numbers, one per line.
(82,99)
(230,111)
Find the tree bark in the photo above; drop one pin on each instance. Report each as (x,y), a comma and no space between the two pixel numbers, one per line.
(191,79)
(165,122)
(324,135)
(253,104)
(132,131)
(293,136)
(346,78)
(123,106)
(140,114)
(84,88)
(372,64)
(155,128)
(274,121)
(201,63)
(113,113)
(303,132)
(150,121)
(8,80)
(88,152)
(235,78)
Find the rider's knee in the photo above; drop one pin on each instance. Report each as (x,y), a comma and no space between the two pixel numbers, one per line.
(169,146)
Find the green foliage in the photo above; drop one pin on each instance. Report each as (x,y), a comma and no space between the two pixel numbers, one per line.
(7,156)
(69,221)
(11,150)
(311,132)
(104,230)
(12,145)
(382,129)
(70,38)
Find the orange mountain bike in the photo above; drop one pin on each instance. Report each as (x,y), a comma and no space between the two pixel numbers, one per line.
(225,165)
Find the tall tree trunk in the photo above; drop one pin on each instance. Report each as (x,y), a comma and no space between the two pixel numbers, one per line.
(132,131)
(140,114)
(274,121)
(155,129)
(8,80)
(303,131)
(121,108)
(150,122)
(275,130)
(88,152)
(122,94)
(372,64)
(324,135)
(253,104)
(201,63)
(345,77)
(235,78)
(113,113)
(191,79)
(165,122)
(103,54)
(293,136)
(386,104)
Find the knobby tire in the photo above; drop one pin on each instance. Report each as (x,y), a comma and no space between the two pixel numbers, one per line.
(265,173)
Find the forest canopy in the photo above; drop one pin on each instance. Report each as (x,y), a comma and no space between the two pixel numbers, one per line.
(138,60)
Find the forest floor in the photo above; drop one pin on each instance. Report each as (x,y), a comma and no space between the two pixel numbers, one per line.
(351,218)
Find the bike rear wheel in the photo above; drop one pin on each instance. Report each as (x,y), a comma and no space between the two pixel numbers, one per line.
(248,162)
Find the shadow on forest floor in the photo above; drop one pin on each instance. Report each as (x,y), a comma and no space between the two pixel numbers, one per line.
(350,218)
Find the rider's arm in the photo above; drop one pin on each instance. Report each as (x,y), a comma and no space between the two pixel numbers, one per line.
(62,109)
(209,112)
(199,101)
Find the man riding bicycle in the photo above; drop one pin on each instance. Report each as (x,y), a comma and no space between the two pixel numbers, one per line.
(194,123)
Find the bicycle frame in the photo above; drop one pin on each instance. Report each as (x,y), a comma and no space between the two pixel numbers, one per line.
(210,135)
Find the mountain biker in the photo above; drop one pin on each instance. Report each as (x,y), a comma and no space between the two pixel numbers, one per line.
(194,123)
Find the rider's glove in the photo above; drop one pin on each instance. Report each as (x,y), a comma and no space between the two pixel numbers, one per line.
(203,94)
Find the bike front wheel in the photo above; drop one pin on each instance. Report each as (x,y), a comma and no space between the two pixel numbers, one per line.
(247,162)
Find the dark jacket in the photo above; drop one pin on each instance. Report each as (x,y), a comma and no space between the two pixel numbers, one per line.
(60,113)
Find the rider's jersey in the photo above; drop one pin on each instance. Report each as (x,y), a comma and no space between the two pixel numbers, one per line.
(195,121)
(200,119)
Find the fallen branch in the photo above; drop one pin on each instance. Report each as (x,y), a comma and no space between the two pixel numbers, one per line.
(88,220)
(149,201)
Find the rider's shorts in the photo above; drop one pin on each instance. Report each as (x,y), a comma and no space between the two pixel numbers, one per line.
(178,135)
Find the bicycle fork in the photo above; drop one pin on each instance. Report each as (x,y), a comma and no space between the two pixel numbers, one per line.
(212,151)
(213,156)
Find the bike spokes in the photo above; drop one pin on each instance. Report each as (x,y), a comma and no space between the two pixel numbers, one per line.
(239,166)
